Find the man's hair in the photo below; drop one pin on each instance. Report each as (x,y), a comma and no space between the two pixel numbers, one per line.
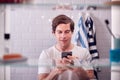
(62,19)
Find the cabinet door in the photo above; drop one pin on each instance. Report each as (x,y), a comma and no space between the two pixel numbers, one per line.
(1,40)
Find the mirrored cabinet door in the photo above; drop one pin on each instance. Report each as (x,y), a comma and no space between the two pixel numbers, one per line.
(1,39)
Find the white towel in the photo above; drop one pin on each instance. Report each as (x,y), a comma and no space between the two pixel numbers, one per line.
(81,34)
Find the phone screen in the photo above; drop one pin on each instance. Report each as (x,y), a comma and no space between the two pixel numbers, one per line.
(65,54)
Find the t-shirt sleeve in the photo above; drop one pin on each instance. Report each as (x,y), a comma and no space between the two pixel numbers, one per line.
(87,62)
(44,63)
(88,55)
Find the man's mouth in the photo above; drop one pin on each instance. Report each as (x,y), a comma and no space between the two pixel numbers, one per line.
(63,40)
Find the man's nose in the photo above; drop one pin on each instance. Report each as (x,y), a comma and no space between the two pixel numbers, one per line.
(63,35)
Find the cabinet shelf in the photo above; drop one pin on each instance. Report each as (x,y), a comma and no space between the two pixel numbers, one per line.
(63,6)
(103,62)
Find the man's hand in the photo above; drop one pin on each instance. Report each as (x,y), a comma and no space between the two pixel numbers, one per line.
(69,60)
(81,73)
(90,74)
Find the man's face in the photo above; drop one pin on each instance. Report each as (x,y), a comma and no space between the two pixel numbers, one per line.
(63,35)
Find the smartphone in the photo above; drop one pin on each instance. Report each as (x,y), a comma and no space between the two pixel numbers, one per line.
(65,54)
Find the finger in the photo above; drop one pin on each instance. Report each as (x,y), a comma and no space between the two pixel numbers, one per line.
(68,61)
(72,57)
(65,60)
(70,67)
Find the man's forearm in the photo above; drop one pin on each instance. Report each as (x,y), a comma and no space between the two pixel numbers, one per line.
(53,75)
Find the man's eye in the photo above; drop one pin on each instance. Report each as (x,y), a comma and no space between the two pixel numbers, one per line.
(67,31)
(59,32)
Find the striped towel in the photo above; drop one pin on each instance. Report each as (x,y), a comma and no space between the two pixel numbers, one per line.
(91,38)
(81,34)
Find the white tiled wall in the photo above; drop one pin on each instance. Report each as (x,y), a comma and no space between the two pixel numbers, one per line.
(30,33)
(30,28)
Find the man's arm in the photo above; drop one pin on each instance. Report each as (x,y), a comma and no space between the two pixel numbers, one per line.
(48,76)
(52,75)
(42,76)
(81,73)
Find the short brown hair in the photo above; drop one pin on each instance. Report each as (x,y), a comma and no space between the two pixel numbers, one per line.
(62,19)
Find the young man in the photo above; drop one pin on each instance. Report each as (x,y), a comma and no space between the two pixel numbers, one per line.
(66,68)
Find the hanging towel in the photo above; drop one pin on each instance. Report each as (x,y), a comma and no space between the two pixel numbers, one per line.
(91,38)
(81,34)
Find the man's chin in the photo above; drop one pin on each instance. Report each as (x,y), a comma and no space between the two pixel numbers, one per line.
(63,46)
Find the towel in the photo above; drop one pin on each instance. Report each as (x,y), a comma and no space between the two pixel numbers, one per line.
(91,38)
(81,34)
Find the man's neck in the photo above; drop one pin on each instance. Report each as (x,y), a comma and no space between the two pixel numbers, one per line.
(63,48)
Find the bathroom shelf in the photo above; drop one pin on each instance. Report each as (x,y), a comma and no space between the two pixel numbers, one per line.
(59,6)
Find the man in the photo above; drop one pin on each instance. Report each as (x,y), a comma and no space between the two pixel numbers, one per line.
(66,68)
